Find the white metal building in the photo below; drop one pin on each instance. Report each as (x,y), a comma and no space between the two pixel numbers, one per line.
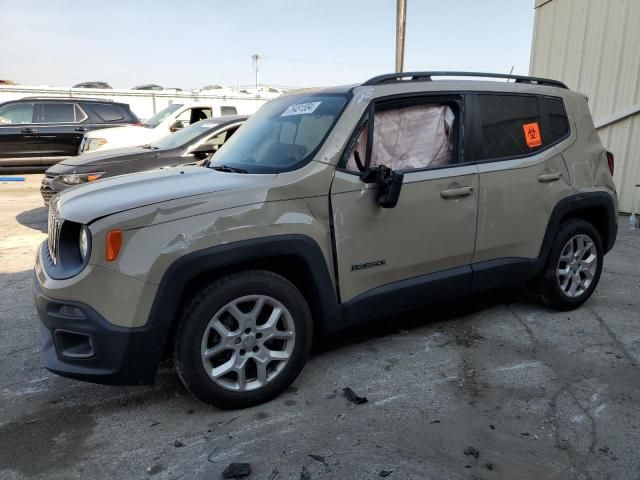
(594,47)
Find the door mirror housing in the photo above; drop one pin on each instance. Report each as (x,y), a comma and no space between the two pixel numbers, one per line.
(175,126)
(389,184)
(204,150)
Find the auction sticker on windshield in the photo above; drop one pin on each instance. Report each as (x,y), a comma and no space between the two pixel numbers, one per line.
(300,109)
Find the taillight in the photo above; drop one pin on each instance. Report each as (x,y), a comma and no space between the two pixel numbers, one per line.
(136,124)
(610,161)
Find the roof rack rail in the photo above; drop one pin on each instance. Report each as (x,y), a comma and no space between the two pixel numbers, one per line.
(426,77)
(39,97)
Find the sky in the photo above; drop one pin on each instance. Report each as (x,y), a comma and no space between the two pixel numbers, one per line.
(190,43)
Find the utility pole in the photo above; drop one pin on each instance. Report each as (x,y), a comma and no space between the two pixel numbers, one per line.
(401,21)
(256,66)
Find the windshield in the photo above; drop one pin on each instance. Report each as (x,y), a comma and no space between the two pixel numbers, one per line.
(282,135)
(154,121)
(184,136)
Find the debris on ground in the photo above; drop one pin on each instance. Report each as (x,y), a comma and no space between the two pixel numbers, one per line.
(489,466)
(237,470)
(178,444)
(473,452)
(385,473)
(352,397)
(304,474)
(319,458)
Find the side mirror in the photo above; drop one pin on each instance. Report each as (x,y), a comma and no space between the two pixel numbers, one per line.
(389,184)
(175,126)
(202,151)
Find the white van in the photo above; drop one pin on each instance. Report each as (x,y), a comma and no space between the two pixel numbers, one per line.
(171,119)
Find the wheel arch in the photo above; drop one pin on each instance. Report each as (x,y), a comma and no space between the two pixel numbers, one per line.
(298,258)
(598,208)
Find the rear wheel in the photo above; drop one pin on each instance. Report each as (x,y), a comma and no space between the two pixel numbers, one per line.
(243,339)
(573,268)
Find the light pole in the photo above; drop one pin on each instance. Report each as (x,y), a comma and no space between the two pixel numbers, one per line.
(256,59)
(401,21)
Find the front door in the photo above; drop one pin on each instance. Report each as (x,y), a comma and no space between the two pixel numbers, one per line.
(430,234)
(19,143)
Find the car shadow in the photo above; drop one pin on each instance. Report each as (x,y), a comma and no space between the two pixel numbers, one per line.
(413,319)
(35,218)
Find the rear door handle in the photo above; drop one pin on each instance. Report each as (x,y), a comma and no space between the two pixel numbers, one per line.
(549,177)
(28,130)
(80,129)
(456,192)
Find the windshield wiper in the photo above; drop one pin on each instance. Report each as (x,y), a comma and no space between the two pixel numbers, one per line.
(148,146)
(224,168)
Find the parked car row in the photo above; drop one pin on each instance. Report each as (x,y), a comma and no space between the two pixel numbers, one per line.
(327,208)
(192,144)
(36,131)
(41,131)
(171,119)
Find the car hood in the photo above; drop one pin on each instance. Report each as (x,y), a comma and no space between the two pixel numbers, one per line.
(88,202)
(106,157)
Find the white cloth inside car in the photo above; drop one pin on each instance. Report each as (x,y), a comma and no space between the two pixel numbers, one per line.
(411,137)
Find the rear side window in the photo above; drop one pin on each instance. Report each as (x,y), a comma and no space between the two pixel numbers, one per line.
(58,113)
(107,112)
(516,125)
(228,111)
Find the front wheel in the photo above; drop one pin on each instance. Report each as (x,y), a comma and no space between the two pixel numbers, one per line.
(573,268)
(243,339)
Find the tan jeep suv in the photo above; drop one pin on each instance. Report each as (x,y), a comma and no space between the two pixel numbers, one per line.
(327,208)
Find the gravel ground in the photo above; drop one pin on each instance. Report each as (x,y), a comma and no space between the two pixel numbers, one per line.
(536,394)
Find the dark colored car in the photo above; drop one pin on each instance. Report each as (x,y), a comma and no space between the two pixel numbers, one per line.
(151,86)
(37,131)
(192,144)
(104,85)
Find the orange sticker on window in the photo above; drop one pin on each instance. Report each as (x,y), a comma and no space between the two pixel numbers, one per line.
(532,134)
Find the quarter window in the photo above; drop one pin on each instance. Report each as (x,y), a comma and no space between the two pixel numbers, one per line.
(516,125)
(108,113)
(225,110)
(58,113)
(17,113)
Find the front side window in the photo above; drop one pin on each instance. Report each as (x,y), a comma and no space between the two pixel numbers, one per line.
(154,121)
(407,137)
(283,134)
(515,125)
(17,113)
(58,113)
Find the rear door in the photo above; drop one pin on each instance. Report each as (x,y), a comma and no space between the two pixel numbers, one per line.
(516,141)
(60,130)
(19,144)
(429,236)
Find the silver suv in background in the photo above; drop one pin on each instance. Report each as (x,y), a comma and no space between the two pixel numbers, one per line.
(327,208)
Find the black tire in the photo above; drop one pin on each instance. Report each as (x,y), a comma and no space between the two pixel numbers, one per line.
(546,287)
(201,309)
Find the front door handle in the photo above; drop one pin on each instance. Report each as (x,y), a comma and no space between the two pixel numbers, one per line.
(549,177)
(80,129)
(456,192)
(28,130)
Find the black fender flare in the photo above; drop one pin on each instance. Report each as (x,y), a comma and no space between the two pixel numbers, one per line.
(573,205)
(186,268)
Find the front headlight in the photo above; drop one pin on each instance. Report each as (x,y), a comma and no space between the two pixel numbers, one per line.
(78,178)
(83,242)
(93,144)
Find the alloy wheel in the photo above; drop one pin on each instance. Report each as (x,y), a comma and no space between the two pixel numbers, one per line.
(248,342)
